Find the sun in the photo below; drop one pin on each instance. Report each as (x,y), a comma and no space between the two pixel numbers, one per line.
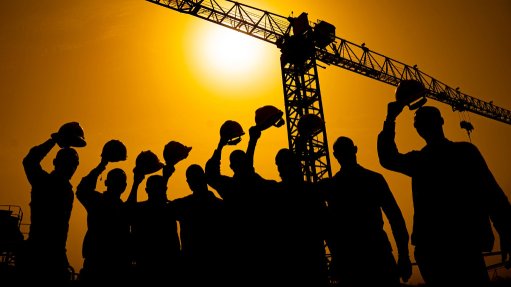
(224,55)
(230,52)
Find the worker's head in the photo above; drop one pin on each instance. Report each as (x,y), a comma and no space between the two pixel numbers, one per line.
(66,162)
(428,122)
(156,188)
(238,161)
(116,181)
(288,165)
(345,151)
(196,178)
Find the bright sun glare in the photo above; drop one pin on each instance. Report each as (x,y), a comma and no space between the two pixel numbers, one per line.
(226,53)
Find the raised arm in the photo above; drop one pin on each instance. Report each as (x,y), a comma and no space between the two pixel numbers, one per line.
(85,192)
(255,134)
(167,171)
(214,177)
(213,164)
(138,177)
(32,161)
(388,154)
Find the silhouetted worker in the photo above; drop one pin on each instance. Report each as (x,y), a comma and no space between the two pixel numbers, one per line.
(106,246)
(299,226)
(243,195)
(202,220)
(361,251)
(154,228)
(274,221)
(44,258)
(454,194)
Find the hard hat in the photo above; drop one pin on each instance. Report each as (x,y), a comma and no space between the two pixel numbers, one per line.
(411,93)
(232,131)
(147,162)
(114,150)
(267,116)
(309,125)
(175,151)
(70,135)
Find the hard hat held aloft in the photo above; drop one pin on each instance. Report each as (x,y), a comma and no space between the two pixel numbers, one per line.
(147,162)
(309,125)
(268,116)
(70,135)
(113,151)
(411,93)
(232,132)
(174,152)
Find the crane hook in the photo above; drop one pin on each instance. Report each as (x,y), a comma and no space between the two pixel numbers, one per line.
(468,127)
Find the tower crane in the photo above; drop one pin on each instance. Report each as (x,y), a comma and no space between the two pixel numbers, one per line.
(303,45)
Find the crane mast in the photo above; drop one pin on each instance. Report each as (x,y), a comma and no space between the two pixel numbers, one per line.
(303,45)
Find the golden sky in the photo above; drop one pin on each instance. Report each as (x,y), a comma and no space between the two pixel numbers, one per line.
(144,74)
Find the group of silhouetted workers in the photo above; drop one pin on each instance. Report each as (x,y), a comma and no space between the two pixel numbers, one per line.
(264,232)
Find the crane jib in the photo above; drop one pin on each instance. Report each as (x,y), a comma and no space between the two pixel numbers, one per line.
(274,28)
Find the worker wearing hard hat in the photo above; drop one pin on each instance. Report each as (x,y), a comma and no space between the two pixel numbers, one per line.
(455,196)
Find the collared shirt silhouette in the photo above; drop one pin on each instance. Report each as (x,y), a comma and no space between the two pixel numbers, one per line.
(201,221)
(454,195)
(105,247)
(360,248)
(154,228)
(52,196)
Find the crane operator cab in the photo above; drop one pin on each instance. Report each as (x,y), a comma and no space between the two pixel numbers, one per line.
(301,40)
(324,34)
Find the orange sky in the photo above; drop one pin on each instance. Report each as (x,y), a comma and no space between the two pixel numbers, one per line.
(143,74)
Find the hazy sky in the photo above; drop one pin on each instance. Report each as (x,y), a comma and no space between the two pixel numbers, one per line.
(144,74)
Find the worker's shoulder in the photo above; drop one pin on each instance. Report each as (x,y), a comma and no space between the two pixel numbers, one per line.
(369,172)
(464,146)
